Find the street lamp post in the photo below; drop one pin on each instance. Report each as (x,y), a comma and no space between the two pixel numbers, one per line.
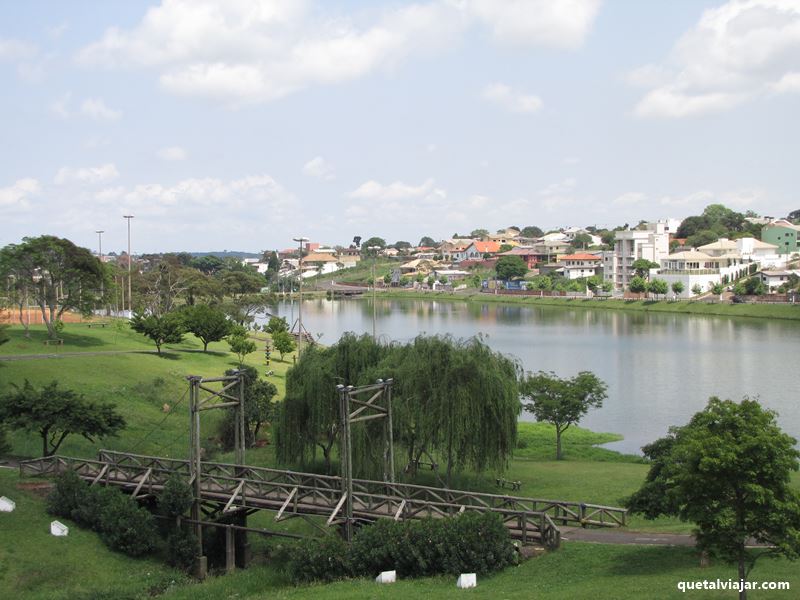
(374,250)
(130,304)
(300,241)
(100,233)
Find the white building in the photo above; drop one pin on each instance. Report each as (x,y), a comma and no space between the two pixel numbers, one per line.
(651,244)
(694,268)
(580,265)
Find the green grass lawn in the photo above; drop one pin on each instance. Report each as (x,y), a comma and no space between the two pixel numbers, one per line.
(33,565)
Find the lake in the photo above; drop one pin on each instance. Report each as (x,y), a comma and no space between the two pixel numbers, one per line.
(660,368)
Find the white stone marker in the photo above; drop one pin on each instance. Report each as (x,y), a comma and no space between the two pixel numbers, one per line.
(387,577)
(467,580)
(59,529)
(7,504)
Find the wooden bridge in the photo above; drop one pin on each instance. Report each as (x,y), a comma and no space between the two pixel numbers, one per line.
(226,488)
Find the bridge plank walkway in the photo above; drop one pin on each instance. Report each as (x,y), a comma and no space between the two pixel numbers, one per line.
(291,493)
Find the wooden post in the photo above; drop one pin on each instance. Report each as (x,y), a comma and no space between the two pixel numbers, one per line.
(195,469)
(230,550)
(388,393)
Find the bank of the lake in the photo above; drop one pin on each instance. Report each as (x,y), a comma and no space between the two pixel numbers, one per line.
(759,311)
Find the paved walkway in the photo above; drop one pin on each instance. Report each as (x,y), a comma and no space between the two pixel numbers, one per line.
(623,536)
(13,357)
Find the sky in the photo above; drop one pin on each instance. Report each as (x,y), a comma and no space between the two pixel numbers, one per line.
(242,124)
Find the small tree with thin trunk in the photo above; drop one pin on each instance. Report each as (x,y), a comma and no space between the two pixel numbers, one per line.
(658,287)
(696,289)
(728,472)
(240,343)
(638,285)
(677,288)
(562,402)
(283,342)
(55,413)
(208,323)
(162,329)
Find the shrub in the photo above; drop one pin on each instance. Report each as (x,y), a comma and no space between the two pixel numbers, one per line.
(467,543)
(182,549)
(68,495)
(176,498)
(318,559)
(126,527)
(87,514)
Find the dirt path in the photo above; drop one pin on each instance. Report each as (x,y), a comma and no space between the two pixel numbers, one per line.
(13,357)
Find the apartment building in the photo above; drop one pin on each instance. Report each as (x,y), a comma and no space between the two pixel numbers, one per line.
(651,243)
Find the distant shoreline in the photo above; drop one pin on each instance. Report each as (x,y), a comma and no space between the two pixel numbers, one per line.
(790,312)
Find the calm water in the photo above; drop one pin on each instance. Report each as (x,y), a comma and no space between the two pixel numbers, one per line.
(660,369)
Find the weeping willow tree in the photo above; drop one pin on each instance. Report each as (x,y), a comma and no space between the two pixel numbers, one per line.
(454,402)
(309,415)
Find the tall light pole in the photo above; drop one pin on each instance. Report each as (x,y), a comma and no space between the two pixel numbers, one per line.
(300,240)
(130,304)
(100,233)
(374,250)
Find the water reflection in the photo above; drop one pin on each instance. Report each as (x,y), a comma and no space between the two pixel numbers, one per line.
(660,368)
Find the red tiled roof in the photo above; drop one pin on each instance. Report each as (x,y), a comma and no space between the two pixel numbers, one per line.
(484,247)
(583,256)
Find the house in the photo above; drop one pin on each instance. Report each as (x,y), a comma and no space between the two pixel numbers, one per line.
(783,234)
(319,264)
(418,265)
(450,274)
(651,243)
(577,266)
(775,278)
(549,251)
(750,249)
(526,253)
(477,250)
(694,268)
(455,250)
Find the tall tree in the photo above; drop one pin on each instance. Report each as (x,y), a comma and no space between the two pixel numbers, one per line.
(479,233)
(727,471)
(54,413)
(60,276)
(510,267)
(427,242)
(531,231)
(208,323)
(258,407)
(642,266)
(562,402)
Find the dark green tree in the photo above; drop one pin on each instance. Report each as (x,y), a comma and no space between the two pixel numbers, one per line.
(54,413)
(728,472)
(240,343)
(510,267)
(283,342)
(59,276)
(259,408)
(478,233)
(161,329)
(642,266)
(427,242)
(3,334)
(562,402)
(637,285)
(208,323)
(531,231)
(373,241)
(677,288)
(276,324)
(658,287)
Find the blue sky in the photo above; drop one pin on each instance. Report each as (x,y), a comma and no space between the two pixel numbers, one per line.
(244,123)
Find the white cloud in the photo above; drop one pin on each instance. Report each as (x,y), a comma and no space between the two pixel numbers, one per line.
(87,175)
(509,99)
(15,50)
(630,198)
(241,52)
(373,190)
(736,52)
(60,107)
(16,196)
(95,108)
(171,153)
(561,24)
(320,168)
